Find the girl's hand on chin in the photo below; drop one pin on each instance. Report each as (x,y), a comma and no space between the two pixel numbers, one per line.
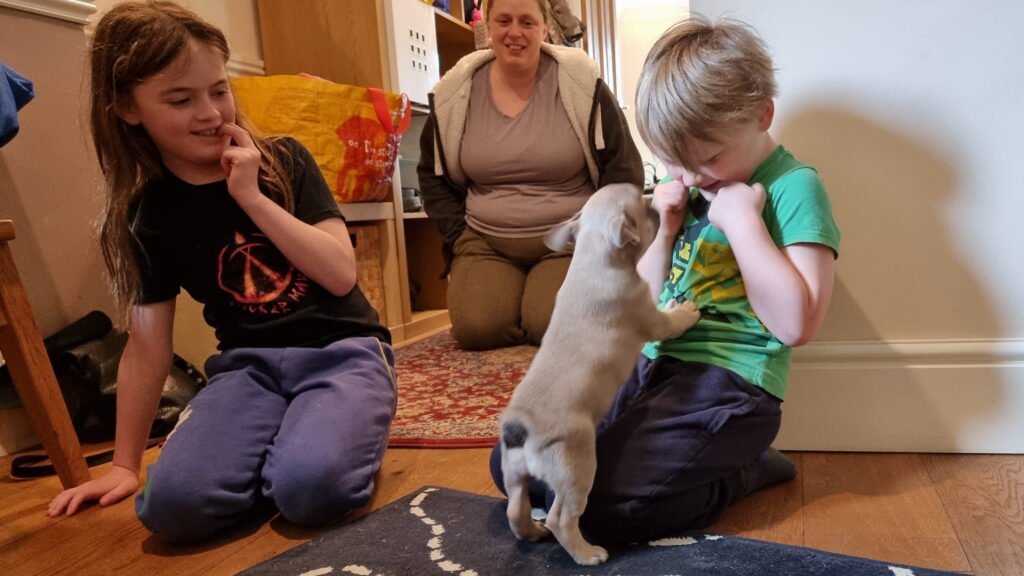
(241,162)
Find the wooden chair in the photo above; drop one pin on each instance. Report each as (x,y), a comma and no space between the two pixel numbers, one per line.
(23,350)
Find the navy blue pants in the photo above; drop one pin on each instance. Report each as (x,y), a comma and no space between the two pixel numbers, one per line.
(681,443)
(305,428)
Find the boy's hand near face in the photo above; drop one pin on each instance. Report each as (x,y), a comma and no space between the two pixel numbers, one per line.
(736,207)
(670,201)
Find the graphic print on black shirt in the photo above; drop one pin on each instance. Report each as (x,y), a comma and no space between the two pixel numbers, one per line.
(197,238)
(259,279)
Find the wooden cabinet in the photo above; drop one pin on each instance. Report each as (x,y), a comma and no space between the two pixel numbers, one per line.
(348,42)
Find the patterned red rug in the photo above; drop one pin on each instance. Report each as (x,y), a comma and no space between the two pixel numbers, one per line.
(452,398)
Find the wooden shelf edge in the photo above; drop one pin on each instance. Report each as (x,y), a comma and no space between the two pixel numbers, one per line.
(424,321)
(448,17)
(367,211)
(422,336)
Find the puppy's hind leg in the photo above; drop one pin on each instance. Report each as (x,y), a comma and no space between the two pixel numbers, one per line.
(517,484)
(576,464)
(519,519)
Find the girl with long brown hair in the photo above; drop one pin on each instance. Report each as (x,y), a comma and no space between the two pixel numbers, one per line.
(301,395)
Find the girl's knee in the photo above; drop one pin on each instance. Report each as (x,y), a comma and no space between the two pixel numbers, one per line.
(318,496)
(189,503)
(176,513)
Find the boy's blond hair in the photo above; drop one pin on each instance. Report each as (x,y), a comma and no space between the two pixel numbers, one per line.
(699,78)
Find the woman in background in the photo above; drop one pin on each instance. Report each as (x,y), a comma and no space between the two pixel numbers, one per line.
(518,137)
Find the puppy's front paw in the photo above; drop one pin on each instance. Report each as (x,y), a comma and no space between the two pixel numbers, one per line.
(684,314)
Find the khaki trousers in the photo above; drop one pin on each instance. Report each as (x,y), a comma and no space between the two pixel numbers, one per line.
(501,291)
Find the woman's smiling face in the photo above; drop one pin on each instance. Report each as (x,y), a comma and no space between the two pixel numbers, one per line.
(516,29)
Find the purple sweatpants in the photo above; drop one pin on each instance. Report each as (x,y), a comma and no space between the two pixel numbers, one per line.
(681,443)
(305,428)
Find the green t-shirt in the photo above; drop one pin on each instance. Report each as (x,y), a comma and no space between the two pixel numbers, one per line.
(704,270)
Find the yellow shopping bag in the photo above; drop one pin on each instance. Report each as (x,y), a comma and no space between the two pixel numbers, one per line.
(353,132)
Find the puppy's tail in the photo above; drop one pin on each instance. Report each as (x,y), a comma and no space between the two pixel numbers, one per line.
(513,433)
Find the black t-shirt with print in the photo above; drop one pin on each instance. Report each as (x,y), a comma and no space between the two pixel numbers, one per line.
(197,238)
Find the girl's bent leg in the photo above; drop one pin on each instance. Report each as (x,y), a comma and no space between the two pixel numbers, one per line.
(333,436)
(206,477)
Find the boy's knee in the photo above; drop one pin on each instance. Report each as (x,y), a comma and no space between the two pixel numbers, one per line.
(634,521)
(617,526)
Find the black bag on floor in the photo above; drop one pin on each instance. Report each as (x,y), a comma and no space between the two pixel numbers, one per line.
(85,356)
(87,375)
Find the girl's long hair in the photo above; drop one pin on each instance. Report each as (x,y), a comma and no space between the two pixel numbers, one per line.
(133,41)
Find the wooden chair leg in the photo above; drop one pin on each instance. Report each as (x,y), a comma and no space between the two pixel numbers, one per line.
(29,365)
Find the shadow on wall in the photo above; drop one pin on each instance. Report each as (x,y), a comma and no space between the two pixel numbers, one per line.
(898,279)
(899,276)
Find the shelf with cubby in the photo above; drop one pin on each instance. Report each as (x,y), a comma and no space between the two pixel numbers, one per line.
(354,42)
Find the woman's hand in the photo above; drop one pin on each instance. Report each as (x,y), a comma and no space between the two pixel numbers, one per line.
(241,163)
(108,489)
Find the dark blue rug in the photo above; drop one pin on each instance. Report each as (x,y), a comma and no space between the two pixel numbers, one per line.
(446,532)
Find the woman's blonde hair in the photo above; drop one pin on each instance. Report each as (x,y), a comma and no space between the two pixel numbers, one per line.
(699,78)
(133,41)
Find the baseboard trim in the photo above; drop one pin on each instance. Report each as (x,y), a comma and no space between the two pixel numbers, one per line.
(961,396)
(969,351)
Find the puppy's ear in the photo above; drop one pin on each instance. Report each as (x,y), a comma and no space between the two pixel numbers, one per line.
(623,230)
(563,236)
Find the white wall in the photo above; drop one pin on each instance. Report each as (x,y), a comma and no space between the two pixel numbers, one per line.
(238,19)
(639,24)
(911,112)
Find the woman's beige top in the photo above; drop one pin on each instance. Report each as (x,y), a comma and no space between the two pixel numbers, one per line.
(528,172)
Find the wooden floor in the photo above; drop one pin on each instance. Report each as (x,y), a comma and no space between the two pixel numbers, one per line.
(961,513)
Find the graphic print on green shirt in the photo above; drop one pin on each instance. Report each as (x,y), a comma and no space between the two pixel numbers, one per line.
(704,270)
